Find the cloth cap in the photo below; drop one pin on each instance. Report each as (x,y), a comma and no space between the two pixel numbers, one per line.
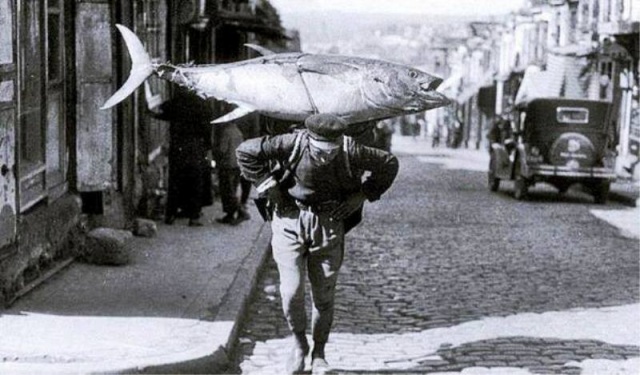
(325,127)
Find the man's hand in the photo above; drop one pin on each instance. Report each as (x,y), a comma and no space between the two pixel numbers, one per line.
(352,203)
(276,199)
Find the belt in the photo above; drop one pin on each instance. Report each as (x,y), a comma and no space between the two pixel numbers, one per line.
(321,207)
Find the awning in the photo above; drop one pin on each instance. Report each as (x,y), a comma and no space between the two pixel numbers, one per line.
(251,23)
(450,85)
(572,50)
(560,79)
(537,83)
(487,99)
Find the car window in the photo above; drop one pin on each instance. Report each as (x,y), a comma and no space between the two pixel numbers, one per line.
(572,115)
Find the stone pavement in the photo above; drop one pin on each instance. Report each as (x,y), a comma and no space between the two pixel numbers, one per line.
(506,313)
(597,341)
(624,191)
(174,309)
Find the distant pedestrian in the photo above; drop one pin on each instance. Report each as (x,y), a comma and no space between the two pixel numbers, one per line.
(363,133)
(316,198)
(383,135)
(502,132)
(435,138)
(226,138)
(372,134)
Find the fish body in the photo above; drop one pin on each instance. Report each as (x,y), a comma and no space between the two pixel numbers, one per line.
(291,86)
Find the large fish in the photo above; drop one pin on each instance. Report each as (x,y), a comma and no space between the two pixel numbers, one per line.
(291,86)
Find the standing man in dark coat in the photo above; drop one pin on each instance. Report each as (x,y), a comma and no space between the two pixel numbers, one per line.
(189,170)
(226,138)
(310,215)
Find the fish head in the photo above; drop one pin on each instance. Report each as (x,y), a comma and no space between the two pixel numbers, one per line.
(403,89)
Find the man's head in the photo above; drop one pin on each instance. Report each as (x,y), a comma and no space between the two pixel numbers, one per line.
(325,127)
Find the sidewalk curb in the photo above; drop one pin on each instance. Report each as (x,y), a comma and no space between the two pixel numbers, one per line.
(237,299)
(233,308)
(623,198)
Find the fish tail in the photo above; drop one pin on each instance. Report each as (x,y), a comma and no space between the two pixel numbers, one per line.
(141,67)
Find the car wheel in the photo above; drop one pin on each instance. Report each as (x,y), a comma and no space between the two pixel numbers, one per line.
(494,182)
(601,192)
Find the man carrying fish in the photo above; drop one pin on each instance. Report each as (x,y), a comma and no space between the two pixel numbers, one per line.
(317,196)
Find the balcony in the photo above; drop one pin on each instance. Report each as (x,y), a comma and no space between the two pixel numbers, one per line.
(233,9)
(245,15)
(618,27)
(619,19)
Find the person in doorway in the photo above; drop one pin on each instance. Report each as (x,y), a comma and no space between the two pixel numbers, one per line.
(384,133)
(226,138)
(316,197)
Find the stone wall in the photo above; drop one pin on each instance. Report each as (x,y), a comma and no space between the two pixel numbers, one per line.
(47,235)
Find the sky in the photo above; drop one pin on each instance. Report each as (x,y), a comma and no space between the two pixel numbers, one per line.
(433,7)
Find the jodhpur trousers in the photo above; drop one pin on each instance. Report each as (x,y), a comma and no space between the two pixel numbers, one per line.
(302,242)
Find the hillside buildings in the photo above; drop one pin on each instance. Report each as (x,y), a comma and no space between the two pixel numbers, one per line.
(551,48)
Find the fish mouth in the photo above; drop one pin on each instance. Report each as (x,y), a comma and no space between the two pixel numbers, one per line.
(432,98)
(430,85)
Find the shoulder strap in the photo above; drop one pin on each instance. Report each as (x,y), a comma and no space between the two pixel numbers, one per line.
(345,151)
(294,157)
(296,154)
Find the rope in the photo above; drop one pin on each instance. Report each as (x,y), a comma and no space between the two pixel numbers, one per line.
(306,89)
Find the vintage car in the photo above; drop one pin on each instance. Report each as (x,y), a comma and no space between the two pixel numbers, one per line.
(558,141)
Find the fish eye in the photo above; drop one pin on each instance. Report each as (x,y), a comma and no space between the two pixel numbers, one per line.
(413,74)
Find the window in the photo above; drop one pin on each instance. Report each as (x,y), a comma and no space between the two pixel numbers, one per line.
(606,69)
(605,11)
(8,97)
(152,16)
(31,155)
(42,138)
(570,115)
(56,151)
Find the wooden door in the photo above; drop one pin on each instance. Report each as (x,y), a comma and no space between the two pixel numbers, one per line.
(31,126)
(8,84)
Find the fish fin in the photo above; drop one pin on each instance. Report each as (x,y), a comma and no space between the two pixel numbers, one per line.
(240,111)
(261,50)
(325,67)
(141,67)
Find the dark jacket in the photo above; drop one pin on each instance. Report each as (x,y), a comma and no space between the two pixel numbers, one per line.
(255,157)
(189,170)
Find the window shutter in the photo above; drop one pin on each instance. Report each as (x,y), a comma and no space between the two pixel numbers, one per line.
(94,61)
(7,125)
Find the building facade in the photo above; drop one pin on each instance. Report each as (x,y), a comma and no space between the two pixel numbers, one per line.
(556,48)
(66,165)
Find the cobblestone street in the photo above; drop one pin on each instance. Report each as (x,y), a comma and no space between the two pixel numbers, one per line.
(445,276)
